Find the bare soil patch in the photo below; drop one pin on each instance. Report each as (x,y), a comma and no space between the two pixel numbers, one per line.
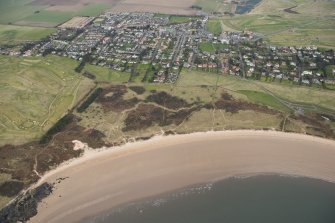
(77,22)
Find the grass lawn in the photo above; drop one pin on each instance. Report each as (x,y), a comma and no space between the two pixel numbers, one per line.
(264,99)
(214,26)
(36,92)
(106,74)
(20,34)
(174,19)
(211,47)
(140,72)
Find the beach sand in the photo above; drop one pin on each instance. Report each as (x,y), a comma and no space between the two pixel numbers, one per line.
(101,180)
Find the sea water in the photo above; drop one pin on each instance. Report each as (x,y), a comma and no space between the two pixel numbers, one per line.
(257,199)
(247,6)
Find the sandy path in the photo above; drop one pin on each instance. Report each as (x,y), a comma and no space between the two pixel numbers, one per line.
(102,180)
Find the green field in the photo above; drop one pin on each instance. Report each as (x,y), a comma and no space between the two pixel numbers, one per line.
(24,12)
(214,26)
(212,47)
(314,25)
(36,92)
(258,92)
(174,19)
(19,34)
(106,74)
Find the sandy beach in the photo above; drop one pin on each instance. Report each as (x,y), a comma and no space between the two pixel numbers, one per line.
(101,180)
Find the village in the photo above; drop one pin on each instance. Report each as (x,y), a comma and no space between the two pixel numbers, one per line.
(155,49)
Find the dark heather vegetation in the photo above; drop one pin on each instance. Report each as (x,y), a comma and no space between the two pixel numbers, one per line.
(34,159)
(111,99)
(89,100)
(164,99)
(11,188)
(89,75)
(25,206)
(57,127)
(229,104)
(137,89)
(146,115)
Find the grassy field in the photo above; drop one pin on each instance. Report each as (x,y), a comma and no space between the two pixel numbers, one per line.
(20,34)
(36,92)
(56,17)
(174,19)
(211,47)
(314,25)
(140,71)
(258,92)
(214,26)
(106,74)
(24,12)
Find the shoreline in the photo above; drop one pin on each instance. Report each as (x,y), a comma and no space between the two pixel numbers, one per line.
(158,147)
(90,153)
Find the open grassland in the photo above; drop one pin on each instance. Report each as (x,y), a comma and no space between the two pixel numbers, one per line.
(10,35)
(258,92)
(35,93)
(313,24)
(106,74)
(214,26)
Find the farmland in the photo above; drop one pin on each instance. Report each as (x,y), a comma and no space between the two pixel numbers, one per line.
(311,25)
(37,13)
(11,35)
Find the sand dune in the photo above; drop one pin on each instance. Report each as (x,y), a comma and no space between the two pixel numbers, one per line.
(102,180)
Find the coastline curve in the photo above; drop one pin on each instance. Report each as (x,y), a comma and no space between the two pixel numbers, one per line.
(101,180)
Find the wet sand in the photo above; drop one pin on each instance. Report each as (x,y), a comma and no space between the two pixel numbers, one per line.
(102,180)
